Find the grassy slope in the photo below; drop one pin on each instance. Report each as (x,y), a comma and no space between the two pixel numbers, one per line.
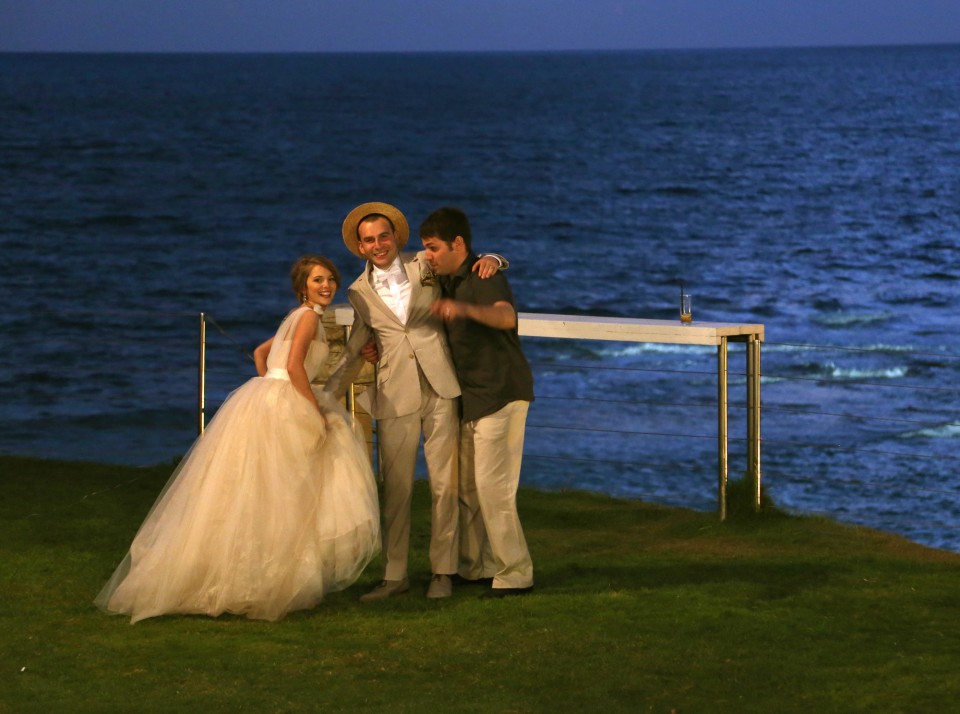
(637,608)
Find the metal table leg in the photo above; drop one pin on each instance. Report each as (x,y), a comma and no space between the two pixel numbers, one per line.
(722,446)
(753,418)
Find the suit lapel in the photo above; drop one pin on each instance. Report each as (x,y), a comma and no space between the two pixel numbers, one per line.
(412,267)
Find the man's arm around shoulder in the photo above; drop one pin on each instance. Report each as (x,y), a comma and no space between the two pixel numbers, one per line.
(351,362)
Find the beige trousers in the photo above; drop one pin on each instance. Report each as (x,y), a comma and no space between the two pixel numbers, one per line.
(491,537)
(399,441)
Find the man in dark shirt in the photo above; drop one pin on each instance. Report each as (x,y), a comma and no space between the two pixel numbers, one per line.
(496,390)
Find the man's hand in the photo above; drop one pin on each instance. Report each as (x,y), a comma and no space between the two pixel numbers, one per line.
(499,316)
(449,310)
(486,266)
(370,352)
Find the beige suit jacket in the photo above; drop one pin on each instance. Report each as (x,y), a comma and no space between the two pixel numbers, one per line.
(421,342)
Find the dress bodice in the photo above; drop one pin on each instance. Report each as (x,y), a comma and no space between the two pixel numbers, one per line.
(283,341)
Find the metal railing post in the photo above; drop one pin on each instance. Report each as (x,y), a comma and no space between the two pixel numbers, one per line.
(202,373)
(350,396)
(344,317)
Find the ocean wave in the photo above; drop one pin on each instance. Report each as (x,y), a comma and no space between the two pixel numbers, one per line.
(850,319)
(950,430)
(642,348)
(940,275)
(833,371)
(109,417)
(912,219)
(112,220)
(855,373)
(678,190)
(615,350)
(876,347)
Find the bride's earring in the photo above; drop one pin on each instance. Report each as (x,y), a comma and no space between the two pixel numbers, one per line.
(303,297)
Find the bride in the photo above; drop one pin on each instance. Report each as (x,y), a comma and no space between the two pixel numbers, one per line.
(274,505)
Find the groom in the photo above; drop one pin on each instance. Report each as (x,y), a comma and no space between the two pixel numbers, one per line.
(416,390)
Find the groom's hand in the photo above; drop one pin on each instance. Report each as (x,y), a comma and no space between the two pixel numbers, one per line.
(486,266)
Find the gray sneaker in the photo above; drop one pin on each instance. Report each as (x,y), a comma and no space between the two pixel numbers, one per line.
(385,589)
(441,586)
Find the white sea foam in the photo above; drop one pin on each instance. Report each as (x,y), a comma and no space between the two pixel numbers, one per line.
(848,319)
(645,348)
(879,347)
(950,430)
(835,372)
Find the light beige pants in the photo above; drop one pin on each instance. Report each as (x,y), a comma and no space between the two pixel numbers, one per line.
(399,440)
(491,537)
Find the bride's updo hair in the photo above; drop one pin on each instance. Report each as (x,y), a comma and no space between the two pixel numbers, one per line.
(301,271)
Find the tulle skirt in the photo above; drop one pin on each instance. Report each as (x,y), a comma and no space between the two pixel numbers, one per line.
(273,506)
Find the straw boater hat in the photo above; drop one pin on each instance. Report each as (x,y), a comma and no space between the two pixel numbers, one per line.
(352,221)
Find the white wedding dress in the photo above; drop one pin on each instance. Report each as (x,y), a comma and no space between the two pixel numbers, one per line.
(273,506)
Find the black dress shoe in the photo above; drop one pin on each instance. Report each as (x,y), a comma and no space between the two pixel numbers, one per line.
(497,593)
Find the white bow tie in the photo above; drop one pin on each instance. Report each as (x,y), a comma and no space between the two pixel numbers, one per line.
(392,276)
(394,282)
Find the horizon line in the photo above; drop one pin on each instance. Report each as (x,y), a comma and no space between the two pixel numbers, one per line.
(610,50)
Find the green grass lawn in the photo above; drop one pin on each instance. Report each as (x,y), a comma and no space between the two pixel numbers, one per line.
(637,608)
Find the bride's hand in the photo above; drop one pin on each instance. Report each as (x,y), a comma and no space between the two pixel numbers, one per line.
(370,352)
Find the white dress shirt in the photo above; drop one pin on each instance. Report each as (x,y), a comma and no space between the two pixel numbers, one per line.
(393,286)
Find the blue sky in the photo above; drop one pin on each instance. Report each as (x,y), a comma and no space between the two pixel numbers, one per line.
(469,25)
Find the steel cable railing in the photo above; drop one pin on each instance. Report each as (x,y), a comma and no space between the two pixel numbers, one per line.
(774,413)
(783,465)
(768,408)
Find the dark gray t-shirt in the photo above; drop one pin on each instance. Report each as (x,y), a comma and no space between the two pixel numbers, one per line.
(490,364)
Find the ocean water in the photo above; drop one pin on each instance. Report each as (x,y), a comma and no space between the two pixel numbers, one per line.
(815,191)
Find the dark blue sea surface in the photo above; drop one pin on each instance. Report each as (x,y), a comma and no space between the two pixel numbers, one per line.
(815,191)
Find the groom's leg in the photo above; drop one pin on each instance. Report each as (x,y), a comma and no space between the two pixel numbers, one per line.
(398,440)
